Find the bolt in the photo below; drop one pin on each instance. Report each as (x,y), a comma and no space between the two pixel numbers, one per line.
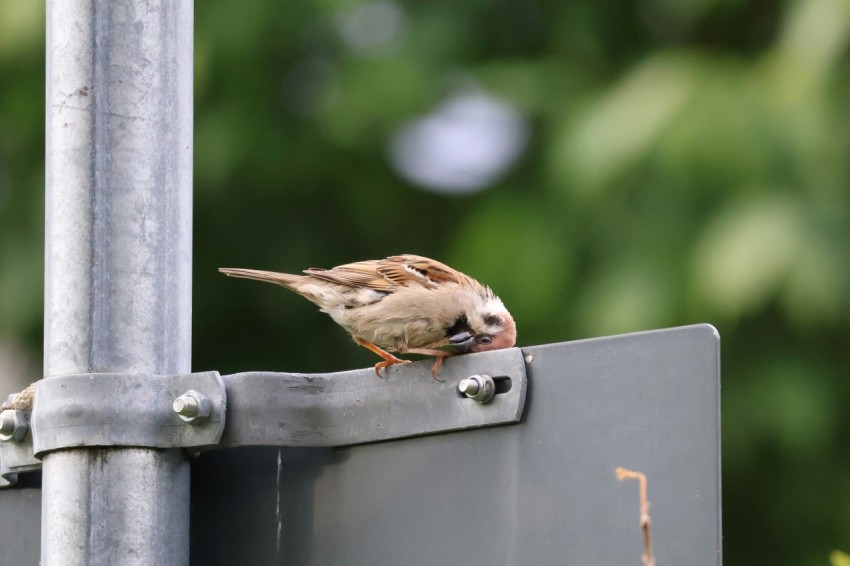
(7,423)
(479,388)
(192,406)
(468,387)
(13,425)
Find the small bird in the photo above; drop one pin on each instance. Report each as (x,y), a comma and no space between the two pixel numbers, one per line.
(407,304)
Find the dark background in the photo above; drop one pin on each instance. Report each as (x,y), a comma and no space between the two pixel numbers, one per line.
(605,166)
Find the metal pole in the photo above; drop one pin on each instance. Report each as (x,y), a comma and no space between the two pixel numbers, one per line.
(118,262)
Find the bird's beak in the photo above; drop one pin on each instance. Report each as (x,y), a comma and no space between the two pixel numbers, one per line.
(463,341)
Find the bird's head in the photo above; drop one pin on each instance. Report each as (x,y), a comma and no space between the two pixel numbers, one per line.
(490,327)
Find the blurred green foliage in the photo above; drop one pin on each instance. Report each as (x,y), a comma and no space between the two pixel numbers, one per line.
(688,162)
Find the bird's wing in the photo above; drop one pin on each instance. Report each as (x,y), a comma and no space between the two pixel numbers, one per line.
(358,275)
(386,275)
(405,270)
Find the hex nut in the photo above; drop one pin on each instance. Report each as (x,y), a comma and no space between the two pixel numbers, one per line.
(479,388)
(192,406)
(13,425)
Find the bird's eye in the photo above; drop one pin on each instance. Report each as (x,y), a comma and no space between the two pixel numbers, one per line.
(483,339)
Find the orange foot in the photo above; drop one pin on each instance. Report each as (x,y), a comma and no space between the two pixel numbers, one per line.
(389,359)
(439,354)
(437,363)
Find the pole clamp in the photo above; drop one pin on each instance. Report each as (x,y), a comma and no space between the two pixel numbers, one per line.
(122,409)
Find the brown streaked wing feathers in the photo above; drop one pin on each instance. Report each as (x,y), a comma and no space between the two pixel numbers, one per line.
(386,274)
(398,269)
(362,274)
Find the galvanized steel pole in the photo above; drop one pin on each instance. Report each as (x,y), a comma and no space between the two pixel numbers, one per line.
(118,262)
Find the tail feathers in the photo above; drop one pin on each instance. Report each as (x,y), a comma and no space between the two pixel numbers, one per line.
(284,279)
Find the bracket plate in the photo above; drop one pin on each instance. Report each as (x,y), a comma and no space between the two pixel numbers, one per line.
(117,409)
(17,457)
(355,407)
(265,408)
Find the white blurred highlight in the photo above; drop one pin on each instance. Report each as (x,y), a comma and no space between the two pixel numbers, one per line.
(376,28)
(463,146)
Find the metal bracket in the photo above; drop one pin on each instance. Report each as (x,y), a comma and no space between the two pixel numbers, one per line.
(116,409)
(265,408)
(355,407)
(16,455)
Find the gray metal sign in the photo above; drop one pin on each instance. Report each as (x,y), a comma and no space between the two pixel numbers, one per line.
(543,491)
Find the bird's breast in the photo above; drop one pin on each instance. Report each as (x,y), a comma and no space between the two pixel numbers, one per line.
(416,318)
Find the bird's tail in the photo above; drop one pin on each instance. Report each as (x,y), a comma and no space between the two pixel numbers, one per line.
(287,280)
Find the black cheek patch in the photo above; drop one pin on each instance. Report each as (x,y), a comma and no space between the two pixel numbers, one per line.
(460,326)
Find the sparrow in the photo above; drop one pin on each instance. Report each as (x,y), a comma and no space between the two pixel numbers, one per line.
(407,304)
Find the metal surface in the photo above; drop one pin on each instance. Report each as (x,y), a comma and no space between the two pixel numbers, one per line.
(20,532)
(109,409)
(134,498)
(283,409)
(118,262)
(17,456)
(541,492)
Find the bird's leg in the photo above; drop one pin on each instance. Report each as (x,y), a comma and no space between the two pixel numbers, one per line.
(439,354)
(389,359)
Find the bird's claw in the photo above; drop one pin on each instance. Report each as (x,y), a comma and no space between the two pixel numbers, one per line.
(435,368)
(387,363)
